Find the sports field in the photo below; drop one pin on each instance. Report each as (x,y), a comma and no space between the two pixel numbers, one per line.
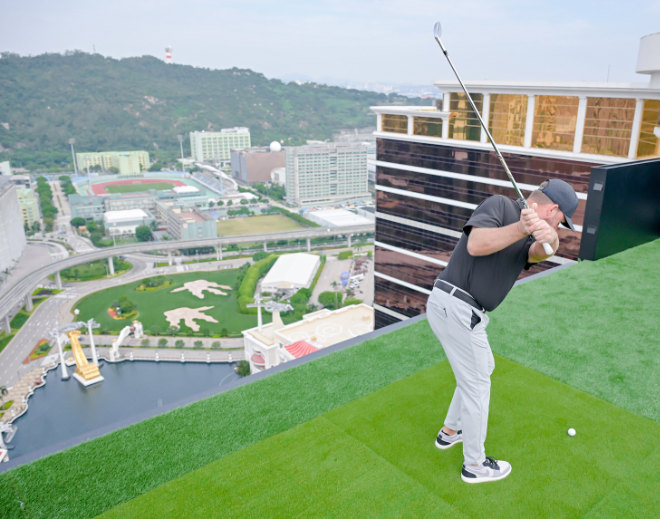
(138,188)
(351,434)
(152,305)
(257,225)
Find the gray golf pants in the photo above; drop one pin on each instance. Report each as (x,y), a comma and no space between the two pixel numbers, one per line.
(467,349)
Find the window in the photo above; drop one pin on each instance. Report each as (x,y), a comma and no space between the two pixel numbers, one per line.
(555,118)
(463,123)
(429,126)
(394,123)
(608,126)
(507,116)
(649,144)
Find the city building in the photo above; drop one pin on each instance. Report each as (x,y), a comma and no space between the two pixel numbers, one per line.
(127,163)
(29,205)
(326,174)
(12,234)
(435,165)
(337,218)
(5,168)
(291,272)
(186,223)
(125,222)
(217,146)
(255,165)
(269,345)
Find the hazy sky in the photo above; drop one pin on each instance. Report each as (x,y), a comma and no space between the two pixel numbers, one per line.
(378,41)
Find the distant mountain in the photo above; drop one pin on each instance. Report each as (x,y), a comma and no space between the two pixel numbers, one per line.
(143,103)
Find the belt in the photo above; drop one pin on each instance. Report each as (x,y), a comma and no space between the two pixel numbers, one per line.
(458,293)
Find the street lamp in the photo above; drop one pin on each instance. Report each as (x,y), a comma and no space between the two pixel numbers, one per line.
(72,141)
(180,137)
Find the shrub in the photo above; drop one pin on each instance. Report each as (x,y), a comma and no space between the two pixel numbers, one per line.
(179,343)
(216,345)
(331,300)
(243,368)
(162,342)
(198,344)
(145,342)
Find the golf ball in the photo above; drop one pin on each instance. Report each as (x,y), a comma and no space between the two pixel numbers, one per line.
(571,432)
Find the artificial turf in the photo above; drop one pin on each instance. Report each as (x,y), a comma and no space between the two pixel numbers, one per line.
(374,457)
(615,448)
(257,225)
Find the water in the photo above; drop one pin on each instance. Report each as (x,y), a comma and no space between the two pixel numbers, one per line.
(64,409)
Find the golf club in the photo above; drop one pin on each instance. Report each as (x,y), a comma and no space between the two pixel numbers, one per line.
(436,32)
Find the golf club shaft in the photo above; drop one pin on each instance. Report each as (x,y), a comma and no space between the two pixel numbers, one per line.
(546,246)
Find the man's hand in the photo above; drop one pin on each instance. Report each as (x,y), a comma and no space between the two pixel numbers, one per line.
(531,223)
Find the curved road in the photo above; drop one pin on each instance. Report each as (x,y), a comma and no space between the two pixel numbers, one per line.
(15,297)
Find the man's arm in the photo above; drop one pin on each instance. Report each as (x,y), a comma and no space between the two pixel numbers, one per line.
(488,240)
(483,241)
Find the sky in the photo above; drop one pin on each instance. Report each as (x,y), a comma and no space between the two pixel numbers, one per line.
(350,42)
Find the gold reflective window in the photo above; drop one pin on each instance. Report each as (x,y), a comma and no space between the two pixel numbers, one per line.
(463,123)
(394,123)
(429,126)
(555,118)
(649,144)
(506,118)
(608,126)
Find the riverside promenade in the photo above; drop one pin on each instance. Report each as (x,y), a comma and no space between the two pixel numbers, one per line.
(21,391)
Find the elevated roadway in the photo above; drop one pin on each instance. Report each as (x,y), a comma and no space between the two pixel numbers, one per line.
(20,293)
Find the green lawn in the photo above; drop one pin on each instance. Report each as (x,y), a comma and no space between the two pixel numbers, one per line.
(94,270)
(152,304)
(138,188)
(257,225)
(351,434)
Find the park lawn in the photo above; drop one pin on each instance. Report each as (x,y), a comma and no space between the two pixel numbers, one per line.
(257,225)
(138,188)
(151,305)
(375,457)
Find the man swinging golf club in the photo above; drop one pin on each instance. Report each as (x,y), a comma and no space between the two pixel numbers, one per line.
(500,239)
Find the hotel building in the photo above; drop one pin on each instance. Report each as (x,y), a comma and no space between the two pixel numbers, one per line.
(217,146)
(326,174)
(435,165)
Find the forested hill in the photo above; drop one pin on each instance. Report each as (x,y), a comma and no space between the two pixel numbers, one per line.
(143,103)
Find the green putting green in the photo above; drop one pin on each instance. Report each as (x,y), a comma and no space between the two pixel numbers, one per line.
(375,457)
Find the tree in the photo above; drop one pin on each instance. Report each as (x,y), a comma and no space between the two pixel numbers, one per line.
(198,344)
(243,368)
(162,342)
(179,343)
(143,233)
(78,221)
(3,392)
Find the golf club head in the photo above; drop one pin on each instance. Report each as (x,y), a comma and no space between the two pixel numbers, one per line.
(437,30)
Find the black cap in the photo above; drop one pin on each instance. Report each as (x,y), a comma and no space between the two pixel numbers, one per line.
(562,194)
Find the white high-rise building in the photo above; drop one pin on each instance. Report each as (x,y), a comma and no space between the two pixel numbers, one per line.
(12,235)
(326,174)
(217,146)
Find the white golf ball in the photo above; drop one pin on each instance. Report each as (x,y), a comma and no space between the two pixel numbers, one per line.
(571,432)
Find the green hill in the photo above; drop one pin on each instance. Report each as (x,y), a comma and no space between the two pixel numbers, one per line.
(143,103)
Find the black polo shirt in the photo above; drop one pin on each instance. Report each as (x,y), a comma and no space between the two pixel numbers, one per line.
(489,278)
